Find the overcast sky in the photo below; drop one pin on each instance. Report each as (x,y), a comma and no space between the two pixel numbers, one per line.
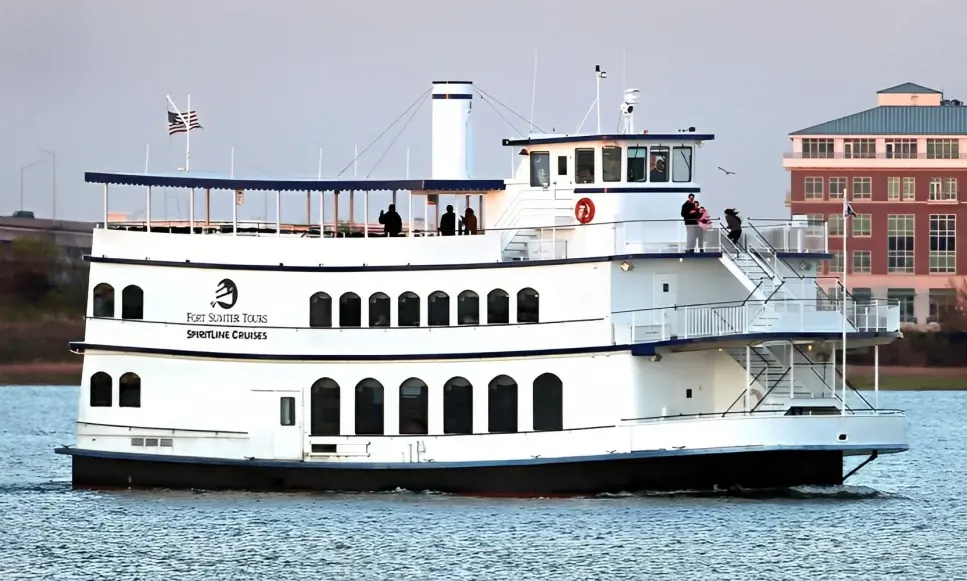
(278,80)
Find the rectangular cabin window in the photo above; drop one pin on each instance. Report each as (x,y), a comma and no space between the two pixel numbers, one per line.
(540,169)
(562,165)
(682,164)
(611,164)
(584,166)
(287,411)
(637,155)
(658,164)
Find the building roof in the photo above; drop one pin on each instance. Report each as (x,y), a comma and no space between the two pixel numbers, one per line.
(896,120)
(221,182)
(909,88)
(584,137)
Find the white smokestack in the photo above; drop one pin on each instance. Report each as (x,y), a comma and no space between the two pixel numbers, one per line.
(452,103)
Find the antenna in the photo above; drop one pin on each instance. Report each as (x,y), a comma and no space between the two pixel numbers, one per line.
(599,74)
(533,95)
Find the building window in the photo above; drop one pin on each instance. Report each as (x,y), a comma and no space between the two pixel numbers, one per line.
(129,391)
(611,164)
(324,404)
(414,407)
(287,411)
(468,308)
(350,308)
(899,243)
(637,156)
(101,388)
(562,165)
(817,148)
(837,188)
(528,306)
(584,166)
(909,189)
(438,309)
(943,189)
(814,188)
(498,307)
(132,303)
(862,224)
(814,224)
(862,188)
(457,406)
(943,149)
(502,405)
(836,263)
(682,164)
(862,295)
(104,300)
(320,310)
(379,310)
(540,168)
(369,408)
(859,148)
(943,304)
(861,262)
(893,189)
(901,148)
(658,166)
(903,296)
(548,403)
(835,224)
(943,243)
(408,310)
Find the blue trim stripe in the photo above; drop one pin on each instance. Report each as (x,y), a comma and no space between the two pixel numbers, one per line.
(674,137)
(639,189)
(452,96)
(219,182)
(324,465)
(403,267)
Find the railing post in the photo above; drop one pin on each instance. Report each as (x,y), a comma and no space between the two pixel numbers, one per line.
(792,370)
(748,375)
(876,377)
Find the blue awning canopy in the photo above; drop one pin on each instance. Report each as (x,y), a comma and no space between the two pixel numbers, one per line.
(221,182)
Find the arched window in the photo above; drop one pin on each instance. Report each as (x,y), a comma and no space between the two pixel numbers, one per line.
(320,310)
(379,310)
(132,302)
(498,307)
(528,306)
(438,309)
(349,310)
(369,408)
(457,406)
(324,408)
(408,310)
(548,403)
(104,300)
(414,407)
(468,308)
(502,405)
(129,390)
(101,388)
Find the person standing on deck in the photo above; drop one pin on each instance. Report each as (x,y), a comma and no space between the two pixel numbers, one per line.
(448,223)
(391,221)
(469,222)
(690,216)
(734,222)
(704,224)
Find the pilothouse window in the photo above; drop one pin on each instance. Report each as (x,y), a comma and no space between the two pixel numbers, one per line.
(584,166)
(637,156)
(611,164)
(540,168)
(658,164)
(682,164)
(104,300)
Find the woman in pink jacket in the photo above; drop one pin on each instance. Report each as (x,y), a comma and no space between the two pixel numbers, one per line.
(705,221)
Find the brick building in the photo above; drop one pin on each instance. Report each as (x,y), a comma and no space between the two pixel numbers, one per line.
(900,164)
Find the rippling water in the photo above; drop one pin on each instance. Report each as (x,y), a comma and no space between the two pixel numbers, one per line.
(902,517)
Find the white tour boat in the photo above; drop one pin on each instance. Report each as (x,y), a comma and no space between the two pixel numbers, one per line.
(571,345)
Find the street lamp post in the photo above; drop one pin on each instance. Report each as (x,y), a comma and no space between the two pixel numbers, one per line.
(24,168)
(53,181)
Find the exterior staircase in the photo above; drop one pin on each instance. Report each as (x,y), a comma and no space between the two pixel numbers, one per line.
(772,375)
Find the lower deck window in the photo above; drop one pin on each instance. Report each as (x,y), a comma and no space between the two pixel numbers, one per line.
(101,387)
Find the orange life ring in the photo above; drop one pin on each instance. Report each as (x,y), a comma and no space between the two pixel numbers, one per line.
(584,210)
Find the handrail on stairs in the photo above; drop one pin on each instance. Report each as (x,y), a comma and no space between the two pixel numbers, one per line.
(832,388)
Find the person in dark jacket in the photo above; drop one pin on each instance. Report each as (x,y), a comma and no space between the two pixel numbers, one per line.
(734,223)
(448,223)
(690,215)
(391,221)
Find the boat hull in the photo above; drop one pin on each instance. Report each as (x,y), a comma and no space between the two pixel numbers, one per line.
(748,470)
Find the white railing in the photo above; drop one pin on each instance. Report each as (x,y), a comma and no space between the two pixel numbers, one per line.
(789,236)
(753,317)
(743,414)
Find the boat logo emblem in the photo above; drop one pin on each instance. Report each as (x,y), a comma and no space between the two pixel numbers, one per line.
(226,294)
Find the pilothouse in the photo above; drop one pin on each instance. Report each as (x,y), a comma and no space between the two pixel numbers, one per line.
(576,340)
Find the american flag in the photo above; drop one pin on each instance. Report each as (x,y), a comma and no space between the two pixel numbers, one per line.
(176,123)
(848,211)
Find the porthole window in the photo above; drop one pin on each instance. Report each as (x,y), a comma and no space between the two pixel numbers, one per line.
(498,307)
(350,308)
(129,391)
(468,308)
(379,310)
(408,310)
(320,310)
(132,303)
(438,309)
(528,306)
(101,387)
(103,299)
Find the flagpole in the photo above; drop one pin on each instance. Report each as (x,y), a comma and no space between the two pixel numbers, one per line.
(846,217)
(188,138)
